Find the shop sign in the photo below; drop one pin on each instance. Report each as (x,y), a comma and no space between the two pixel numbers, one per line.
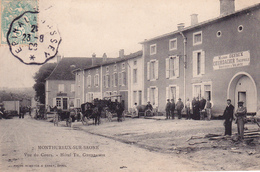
(232,60)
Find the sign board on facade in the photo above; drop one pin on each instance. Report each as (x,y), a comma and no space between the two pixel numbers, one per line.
(61,94)
(231,60)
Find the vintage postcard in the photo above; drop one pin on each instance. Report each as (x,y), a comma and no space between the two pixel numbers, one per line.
(109,85)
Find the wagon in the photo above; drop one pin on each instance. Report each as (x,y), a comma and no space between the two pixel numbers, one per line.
(111,107)
(91,111)
(62,115)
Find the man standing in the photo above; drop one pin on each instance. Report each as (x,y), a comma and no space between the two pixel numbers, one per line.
(179,107)
(172,108)
(228,116)
(208,108)
(196,109)
(241,118)
(202,106)
(168,109)
(187,107)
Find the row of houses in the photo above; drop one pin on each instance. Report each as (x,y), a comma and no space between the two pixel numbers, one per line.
(215,59)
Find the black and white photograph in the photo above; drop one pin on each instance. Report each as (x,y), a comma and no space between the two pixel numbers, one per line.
(130,85)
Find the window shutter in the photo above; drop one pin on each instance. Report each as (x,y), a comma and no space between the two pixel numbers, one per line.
(108,80)
(195,64)
(148,94)
(124,78)
(167,67)
(116,79)
(148,71)
(54,102)
(112,80)
(177,93)
(120,78)
(167,93)
(97,79)
(177,67)
(90,81)
(203,62)
(156,69)
(156,97)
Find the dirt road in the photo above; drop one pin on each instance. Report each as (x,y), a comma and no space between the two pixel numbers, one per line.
(172,137)
(31,145)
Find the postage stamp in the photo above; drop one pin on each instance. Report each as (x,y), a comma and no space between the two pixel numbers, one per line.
(10,9)
(31,39)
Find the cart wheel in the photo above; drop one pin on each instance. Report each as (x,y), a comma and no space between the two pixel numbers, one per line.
(84,121)
(69,122)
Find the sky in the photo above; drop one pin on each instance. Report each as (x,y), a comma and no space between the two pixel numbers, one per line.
(106,26)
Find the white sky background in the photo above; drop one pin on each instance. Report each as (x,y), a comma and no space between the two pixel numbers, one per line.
(105,26)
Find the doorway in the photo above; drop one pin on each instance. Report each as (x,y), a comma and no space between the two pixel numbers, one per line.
(242,87)
(242,97)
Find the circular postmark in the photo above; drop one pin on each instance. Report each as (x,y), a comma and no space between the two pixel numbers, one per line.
(33,41)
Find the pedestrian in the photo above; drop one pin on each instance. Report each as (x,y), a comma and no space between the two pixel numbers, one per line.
(201,108)
(168,109)
(119,111)
(179,107)
(192,104)
(148,109)
(135,111)
(172,109)
(241,119)
(228,116)
(208,108)
(196,109)
(187,108)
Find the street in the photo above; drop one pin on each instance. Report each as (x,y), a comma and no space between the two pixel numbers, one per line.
(37,145)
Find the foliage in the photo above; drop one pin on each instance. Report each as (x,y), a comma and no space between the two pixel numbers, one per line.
(40,76)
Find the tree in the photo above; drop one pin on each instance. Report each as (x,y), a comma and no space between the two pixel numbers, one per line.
(40,76)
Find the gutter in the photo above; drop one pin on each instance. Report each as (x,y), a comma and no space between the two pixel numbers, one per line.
(185,64)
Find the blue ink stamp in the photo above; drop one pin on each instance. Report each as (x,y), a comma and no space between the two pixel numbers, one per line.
(10,9)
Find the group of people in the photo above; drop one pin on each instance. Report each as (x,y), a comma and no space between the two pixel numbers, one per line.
(197,109)
(240,119)
(171,106)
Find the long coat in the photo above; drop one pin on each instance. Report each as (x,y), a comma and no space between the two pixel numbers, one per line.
(228,113)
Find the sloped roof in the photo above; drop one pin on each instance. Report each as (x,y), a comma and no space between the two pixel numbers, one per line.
(63,70)
(117,60)
(207,22)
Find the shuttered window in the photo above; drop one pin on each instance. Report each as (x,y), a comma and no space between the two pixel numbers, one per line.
(198,63)
(172,92)
(120,78)
(153,70)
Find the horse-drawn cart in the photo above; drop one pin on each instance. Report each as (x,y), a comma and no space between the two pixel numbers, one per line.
(65,115)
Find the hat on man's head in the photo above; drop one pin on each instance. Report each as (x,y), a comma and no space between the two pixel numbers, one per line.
(168,100)
(228,100)
(148,102)
(179,99)
(240,102)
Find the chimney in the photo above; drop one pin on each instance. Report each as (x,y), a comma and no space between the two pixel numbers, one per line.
(93,59)
(121,53)
(227,6)
(194,19)
(180,26)
(104,57)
